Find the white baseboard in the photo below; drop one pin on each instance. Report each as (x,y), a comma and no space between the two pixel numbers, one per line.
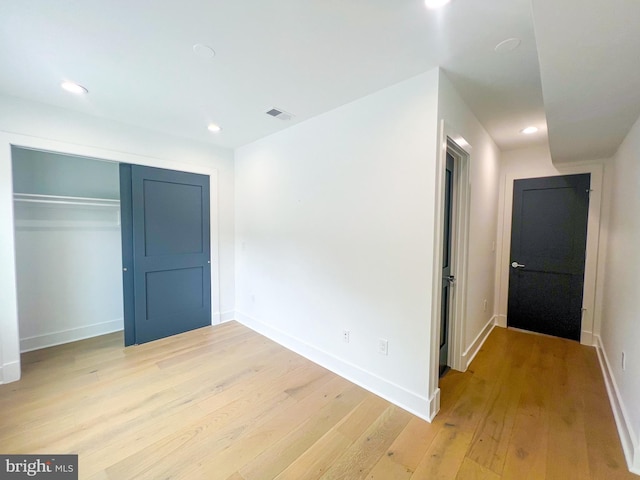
(9,372)
(501,320)
(630,443)
(586,338)
(434,404)
(71,335)
(227,316)
(473,349)
(420,406)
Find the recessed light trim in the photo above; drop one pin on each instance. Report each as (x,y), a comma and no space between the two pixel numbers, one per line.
(212,127)
(433,4)
(529,130)
(204,51)
(508,45)
(74,88)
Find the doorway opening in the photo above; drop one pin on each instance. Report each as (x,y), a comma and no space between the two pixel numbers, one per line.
(593,269)
(451,283)
(67,247)
(548,254)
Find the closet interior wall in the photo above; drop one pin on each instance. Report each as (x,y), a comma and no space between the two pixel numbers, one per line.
(68,247)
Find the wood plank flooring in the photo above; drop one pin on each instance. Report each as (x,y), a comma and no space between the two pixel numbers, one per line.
(226,403)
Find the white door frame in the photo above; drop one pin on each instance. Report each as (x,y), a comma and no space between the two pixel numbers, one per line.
(449,140)
(9,334)
(589,318)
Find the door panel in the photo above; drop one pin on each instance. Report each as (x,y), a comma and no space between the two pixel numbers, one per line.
(548,247)
(172,218)
(174,291)
(166,252)
(447,278)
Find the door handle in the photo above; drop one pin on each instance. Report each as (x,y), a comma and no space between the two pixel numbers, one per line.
(451,279)
(517,265)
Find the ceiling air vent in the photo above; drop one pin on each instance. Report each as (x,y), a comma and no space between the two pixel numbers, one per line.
(280,114)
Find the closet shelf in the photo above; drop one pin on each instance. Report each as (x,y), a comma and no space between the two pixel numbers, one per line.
(60,212)
(62,200)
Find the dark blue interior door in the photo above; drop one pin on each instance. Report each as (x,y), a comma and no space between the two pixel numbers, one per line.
(548,248)
(165,227)
(447,277)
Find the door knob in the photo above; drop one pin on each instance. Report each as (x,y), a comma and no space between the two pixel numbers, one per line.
(517,265)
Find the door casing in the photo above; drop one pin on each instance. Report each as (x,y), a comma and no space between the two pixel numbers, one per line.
(590,303)
(545,294)
(460,230)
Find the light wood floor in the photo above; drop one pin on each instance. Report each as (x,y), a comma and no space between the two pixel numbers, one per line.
(224,402)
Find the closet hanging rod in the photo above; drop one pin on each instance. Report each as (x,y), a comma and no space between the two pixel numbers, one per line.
(63,200)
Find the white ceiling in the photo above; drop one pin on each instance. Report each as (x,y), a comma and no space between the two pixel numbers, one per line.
(136,59)
(590,64)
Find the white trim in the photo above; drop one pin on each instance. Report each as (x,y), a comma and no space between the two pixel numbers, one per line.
(587,338)
(434,377)
(9,372)
(501,321)
(10,347)
(420,406)
(593,238)
(37,342)
(222,317)
(630,443)
(434,404)
(446,134)
(477,343)
(460,258)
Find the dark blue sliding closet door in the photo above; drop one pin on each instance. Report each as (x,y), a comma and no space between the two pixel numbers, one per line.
(166,255)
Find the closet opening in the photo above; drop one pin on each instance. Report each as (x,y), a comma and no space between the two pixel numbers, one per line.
(67,247)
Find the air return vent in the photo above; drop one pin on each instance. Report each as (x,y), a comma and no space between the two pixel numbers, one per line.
(280,114)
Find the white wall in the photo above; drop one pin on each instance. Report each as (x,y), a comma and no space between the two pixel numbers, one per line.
(57,129)
(484,164)
(536,162)
(68,257)
(620,329)
(46,173)
(334,231)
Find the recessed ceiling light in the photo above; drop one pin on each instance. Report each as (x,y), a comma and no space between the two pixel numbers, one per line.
(74,88)
(203,51)
(435,3)
(529,130)
(213,127)
(508,45)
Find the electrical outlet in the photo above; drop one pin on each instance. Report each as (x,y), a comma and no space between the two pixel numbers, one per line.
(345,336)
(383,346)
(484,305)
(624,362)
